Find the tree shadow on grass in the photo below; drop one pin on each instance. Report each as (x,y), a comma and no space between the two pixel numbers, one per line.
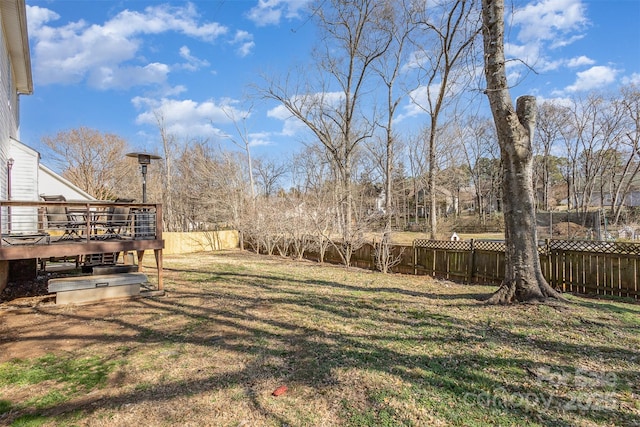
(324,332)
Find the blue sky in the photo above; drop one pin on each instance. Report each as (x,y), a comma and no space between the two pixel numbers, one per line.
(109,65)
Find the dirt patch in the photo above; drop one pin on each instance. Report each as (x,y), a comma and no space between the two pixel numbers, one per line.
(570,230)
(34,326)
(23,289)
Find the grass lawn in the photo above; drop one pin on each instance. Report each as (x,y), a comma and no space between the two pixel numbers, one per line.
(353,348)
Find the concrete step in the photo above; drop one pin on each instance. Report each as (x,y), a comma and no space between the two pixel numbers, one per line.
(83,289)
(95,281)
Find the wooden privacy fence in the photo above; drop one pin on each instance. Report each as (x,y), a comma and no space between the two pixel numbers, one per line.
(587,267)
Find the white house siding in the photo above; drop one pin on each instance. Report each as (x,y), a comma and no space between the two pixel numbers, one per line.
(24,174)
(50,183)
(8,106)
(24,186)
(8,127)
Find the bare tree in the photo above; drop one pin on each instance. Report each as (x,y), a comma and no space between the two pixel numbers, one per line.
(571,175)
(211,188)
(417,168)
(269,173)
(396,24)
(550,121)
(350,47)
(93,161)
(524,280)
(481,154)
(593,140)
(629,105)
(242,140)
(451,28)
(454,174)
(384,256)
(168,147)
(312,179)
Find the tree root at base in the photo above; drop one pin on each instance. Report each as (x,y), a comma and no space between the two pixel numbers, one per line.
(520,290)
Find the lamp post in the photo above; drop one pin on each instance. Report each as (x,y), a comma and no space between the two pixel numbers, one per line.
(10,162)
(144,159)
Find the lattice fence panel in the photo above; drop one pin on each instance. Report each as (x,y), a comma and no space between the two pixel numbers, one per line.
(595,246)
(488,245)
(443,244)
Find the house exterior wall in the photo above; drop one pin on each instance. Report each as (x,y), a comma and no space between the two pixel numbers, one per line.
(50,184)
(24,173)
(8,109)
(24,185)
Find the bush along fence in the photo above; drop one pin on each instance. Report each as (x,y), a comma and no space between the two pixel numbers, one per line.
(584,267)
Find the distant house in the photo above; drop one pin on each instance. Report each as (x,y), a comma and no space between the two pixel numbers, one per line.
(447,202)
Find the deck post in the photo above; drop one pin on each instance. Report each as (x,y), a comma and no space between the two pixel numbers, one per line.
(4,274)
(158,254)
(140,256)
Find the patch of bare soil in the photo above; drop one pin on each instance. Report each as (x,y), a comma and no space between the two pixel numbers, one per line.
(570,230)
(32,325)
(25,288)
(28,293)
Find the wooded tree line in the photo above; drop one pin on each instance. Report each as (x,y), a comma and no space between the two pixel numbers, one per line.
(358,171)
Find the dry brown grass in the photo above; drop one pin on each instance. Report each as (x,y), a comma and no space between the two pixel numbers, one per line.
(353,347)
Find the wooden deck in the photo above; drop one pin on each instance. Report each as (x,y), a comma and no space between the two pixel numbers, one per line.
(31,230)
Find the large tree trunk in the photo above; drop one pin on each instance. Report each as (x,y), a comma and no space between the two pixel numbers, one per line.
(523,275)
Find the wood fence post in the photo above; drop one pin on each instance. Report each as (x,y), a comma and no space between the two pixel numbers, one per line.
(472,263)
(433,261)
(415,258)
(547,251)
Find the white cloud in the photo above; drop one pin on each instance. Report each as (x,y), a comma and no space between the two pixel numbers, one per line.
(593,78)
(105,55)
(38,16)
(270,12)
(632,79)
(279,112)
(418,103)
(291,126)
(424,97)
(559,101)
(193,63)
(188,117)
(549,20)
(542,27)
(527,53)
(126,77)
(580,61)
(163,18)
(245,42)
(260,139)
(562,42)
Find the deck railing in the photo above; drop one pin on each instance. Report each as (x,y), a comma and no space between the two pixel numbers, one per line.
(52,229)
(46,223)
